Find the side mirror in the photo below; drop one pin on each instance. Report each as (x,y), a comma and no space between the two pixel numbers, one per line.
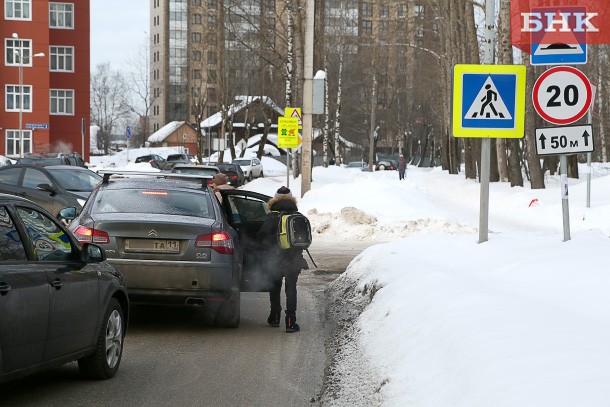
(93,253)
(68,213)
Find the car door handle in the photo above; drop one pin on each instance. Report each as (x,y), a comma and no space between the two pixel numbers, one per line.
(57,283)
(4,288)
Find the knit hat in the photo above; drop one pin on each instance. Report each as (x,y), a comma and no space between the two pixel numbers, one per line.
(283,191)
(220,179)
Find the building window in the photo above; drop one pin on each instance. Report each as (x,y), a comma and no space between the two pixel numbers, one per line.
(196,2)
(419,10)
(16,47)
(212,76)
(62,101)
(212,59)
(367,10)
(402,10)
(367,27)
(196,18)
(17,9)
(270,5)
(13,98)
(196,37)
(196,73)
(196,55)
(212,4)
(384,11)
(61,59)
(12,142)
(384,27)
(211,20)
(419,31)
(61,15)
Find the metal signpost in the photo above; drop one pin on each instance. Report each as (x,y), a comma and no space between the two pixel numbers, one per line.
(562,95)
(287,137)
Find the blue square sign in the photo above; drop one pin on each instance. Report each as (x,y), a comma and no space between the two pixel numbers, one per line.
(488,101)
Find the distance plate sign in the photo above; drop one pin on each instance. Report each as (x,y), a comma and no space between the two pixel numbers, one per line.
(564,140)
(562,95)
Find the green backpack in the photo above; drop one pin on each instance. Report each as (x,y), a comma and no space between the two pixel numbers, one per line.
(294,231)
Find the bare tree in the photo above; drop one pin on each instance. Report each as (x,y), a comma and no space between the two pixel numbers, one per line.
(108,105)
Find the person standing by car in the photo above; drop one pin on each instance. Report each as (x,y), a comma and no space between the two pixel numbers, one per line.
(220,181)
(281,263)
(402,167)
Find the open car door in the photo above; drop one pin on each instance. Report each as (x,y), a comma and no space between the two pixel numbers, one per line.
(246,211)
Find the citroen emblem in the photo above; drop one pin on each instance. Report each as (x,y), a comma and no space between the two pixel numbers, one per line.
(152,233)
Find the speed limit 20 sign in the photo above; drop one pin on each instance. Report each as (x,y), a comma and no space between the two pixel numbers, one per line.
(562,95)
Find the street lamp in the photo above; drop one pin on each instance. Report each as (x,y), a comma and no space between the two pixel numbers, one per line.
(18,51)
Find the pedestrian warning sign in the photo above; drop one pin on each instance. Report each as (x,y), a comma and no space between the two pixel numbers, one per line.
(488,101)
(294,112)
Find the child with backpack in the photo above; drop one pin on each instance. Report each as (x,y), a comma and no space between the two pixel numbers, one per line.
(282,263)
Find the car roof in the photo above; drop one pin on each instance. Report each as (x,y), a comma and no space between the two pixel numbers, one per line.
(152,183)
(204,166)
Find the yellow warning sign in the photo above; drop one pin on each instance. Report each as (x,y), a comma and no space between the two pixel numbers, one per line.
(287,132)
(294,112)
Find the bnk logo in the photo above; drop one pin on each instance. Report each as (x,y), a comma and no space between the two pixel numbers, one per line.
(558,22)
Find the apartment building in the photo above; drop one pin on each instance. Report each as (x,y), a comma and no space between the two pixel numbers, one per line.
(45,77)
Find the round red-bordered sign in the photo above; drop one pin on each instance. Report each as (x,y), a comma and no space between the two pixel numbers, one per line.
(562,95)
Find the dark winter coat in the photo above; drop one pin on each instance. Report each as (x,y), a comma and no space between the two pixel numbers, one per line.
(402,164)
(279,261)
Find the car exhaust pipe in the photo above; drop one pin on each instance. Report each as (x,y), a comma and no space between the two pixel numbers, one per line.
(195,301)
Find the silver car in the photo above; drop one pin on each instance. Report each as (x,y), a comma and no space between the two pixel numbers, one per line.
(174,242)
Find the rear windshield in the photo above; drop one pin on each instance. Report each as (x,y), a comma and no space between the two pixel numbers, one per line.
(156,201)
(42,161)
(195,171)
(175,157)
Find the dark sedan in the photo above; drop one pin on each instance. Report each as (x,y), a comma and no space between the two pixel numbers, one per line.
(174,242)
(54,187)
(386,164)
(59,301)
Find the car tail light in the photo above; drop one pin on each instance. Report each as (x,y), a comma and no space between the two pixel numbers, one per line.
(219,241)
(233,176)
(89,235)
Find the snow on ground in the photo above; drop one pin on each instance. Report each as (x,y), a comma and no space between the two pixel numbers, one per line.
(429,317)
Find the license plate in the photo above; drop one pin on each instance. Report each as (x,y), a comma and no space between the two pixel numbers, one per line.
(152,245)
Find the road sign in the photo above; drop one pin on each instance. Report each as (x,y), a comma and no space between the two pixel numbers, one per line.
(294,112)
(561,39)
(488,101)
(564,140)
(562,95)
(287,132)
(128,132)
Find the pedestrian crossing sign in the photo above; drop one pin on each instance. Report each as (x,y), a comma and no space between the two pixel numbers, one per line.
(488,101)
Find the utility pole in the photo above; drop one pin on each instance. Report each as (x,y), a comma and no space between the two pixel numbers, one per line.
(307,99)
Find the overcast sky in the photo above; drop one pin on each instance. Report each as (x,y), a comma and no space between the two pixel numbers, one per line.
(118,29)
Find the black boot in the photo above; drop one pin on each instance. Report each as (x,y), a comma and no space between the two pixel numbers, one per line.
(291,324)
(274,318)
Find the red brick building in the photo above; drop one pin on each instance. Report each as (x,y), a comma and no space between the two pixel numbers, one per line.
(48,42)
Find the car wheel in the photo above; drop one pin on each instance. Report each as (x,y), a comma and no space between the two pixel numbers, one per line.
(105,360)
(227,314)
(381,167)
(250,177)
(262,174)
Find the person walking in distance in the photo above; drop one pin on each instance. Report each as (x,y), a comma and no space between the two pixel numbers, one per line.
(281,264)
(402,167)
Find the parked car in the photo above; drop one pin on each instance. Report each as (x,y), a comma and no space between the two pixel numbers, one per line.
(386,164)
(179,159)
(52,187)
(44,159)
(148,158)
(59,300)
(234,172)
(174,242)
(358,164)
(76,159)
(252,167)
(194,169)
(5,160)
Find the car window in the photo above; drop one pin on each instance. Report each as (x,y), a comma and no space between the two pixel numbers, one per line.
(10,176)
(167,202)
(33,177)
(11,247)
(49,241)
(248,208)
(79,181)
(195,171)
(242,162)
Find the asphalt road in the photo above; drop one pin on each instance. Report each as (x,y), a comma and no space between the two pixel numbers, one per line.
(171,358)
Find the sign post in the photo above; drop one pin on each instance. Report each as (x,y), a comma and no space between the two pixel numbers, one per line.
(562,95)
(287,137)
